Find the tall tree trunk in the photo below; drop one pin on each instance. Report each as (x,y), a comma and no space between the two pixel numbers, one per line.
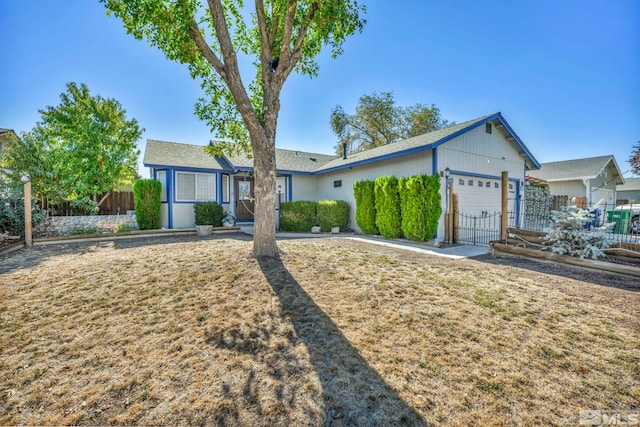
(264,169)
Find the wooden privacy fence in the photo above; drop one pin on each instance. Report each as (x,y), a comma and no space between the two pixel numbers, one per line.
(118,203)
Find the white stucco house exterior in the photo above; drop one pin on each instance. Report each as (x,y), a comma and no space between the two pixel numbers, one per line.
(475,153)
(590,179)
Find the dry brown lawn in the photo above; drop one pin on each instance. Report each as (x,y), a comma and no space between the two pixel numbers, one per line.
(187,331)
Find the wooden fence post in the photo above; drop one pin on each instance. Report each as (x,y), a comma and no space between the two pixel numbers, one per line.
(505,205)
(452,212)
(28,233)
(454,223)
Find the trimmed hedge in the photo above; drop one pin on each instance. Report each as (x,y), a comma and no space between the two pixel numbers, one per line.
(209,213)
(332,213)
(388,219)
(146,197)
(297,216)
(364,193)
(420,206)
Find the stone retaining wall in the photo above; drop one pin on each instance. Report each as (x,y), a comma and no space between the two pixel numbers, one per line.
(64,225)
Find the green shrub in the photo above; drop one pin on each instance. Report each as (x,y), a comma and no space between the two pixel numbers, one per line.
(420,206)
(209,213)
(83,230)
(146,197)
(364,192)
(12,211)
(332,213)
(388,219)
(297,216)
(124,228)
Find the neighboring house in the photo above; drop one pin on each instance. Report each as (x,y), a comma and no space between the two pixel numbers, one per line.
(629,192)
(475,153)
(588,180)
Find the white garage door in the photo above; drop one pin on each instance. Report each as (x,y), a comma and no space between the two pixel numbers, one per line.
(479,195)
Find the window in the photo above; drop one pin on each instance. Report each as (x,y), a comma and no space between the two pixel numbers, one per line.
(162,177)
(488,184)
(460,181)
(337,183)
(195,186)
(496,185)
(226,182)
(470,183)
(487,127)
(510,186)
(479,183)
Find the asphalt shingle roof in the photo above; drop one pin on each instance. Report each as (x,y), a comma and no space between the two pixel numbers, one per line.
(630,184)
(163,153)
(420,141)
(576,169)
(159,153)
(289,160)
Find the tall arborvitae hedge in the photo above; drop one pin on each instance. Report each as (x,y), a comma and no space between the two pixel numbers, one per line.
(147,200)
(420,206)
(388,219)
(364,192)
(332,213)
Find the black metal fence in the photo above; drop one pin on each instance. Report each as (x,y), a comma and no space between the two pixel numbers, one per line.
(477,229)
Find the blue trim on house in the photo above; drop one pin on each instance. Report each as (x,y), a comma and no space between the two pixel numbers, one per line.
(170,197)
(518,140)
(187,169)
(480,175)
(377,159)
(434,161)
(289,188)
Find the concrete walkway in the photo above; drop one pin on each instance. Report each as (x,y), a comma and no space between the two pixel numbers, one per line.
(453,252)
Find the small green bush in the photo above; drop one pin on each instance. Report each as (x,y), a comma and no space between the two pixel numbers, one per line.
(420,206)
(364,192)
(388,219)
(83,230)
(332,213)
(124,228)
(12,211)
(147,200)
(297,216)
(209,213)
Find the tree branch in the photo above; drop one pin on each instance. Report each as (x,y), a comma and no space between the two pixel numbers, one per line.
(205,49)
(285,49)
(265,39)
(297,49)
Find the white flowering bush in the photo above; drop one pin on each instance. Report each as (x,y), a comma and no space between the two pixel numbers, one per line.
(568,233)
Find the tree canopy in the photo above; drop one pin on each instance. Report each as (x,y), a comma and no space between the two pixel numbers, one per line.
(378,121)
(214,39)
(82,148)
(634,159)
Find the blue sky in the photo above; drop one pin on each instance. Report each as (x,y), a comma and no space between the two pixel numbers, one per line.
(565,74)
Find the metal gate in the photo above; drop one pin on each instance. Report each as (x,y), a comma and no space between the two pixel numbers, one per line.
(477,229)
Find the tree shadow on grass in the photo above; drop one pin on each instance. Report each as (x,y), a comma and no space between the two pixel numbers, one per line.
(353,393)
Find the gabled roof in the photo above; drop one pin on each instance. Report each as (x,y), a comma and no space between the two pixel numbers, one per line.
(288,160)
(578,169)
(173,154)
(630,184)
(429,141)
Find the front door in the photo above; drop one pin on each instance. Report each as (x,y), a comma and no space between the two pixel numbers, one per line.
(245,200)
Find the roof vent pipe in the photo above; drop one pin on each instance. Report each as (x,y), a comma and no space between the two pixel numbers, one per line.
(344,151)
